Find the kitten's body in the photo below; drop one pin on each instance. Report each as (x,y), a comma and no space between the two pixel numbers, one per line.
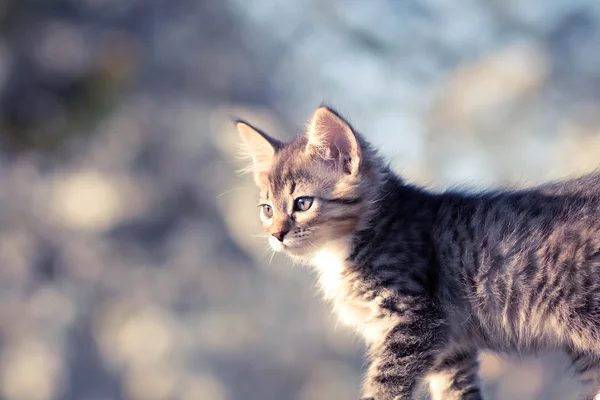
(429,279)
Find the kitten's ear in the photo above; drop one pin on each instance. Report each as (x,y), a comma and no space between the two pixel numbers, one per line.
(260,146)
(333,139)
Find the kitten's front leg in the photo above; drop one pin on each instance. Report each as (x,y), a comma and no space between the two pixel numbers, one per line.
(455,377)
(405,356)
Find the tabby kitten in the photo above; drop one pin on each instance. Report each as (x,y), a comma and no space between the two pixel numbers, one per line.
(428,279)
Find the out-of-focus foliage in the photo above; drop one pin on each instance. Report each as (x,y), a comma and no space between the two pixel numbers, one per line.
(131,262)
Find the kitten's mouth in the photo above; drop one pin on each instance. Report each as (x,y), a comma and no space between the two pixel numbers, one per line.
(276,244)
(293,247)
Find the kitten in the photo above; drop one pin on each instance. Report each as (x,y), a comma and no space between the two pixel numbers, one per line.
(428,279)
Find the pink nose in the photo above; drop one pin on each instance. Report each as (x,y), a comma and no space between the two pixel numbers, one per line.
(279,235)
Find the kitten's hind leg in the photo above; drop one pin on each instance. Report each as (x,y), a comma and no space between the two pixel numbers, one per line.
(587,366)
(455,377)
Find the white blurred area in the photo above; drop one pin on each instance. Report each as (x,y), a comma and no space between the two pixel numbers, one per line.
(132,264)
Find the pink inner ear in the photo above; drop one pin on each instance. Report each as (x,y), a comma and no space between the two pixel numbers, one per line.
(262,163)
(263,160)
(258,147)
(335,140)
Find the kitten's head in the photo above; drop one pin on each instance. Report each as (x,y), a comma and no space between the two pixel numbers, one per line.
(319,187)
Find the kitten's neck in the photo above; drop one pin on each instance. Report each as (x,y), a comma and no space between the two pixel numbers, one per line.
(382,195)
(401,212)
(329,261)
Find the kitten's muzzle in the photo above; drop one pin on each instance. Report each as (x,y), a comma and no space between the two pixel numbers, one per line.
(279,235)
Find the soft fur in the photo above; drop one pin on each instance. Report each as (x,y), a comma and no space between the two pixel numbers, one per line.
(428,279)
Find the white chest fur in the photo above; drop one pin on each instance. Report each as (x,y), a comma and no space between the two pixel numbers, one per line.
(337,286)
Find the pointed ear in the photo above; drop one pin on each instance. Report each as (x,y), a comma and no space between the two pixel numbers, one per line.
(260,147)
(332,138)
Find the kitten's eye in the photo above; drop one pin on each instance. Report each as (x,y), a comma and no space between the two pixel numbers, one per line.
(267,211)
(303,203)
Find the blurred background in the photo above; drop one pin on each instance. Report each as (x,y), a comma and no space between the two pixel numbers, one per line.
(131,265)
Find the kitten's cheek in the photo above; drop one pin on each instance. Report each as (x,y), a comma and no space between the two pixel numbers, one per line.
(275,244)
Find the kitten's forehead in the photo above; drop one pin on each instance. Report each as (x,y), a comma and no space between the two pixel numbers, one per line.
(294,173)
(288,178)
(290,168)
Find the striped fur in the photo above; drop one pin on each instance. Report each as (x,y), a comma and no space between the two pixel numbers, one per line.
(429,279)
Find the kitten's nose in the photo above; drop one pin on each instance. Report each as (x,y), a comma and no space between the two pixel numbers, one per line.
(279,235)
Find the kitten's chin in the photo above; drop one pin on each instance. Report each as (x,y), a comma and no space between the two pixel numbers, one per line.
(292,249)
(276,244)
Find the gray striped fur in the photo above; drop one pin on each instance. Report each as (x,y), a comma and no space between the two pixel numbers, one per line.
(429,279)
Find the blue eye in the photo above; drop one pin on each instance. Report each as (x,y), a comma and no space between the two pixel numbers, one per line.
(303,203)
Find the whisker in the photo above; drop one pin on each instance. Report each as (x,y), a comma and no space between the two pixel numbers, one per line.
(312,244)
(231,190)
(267,248)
